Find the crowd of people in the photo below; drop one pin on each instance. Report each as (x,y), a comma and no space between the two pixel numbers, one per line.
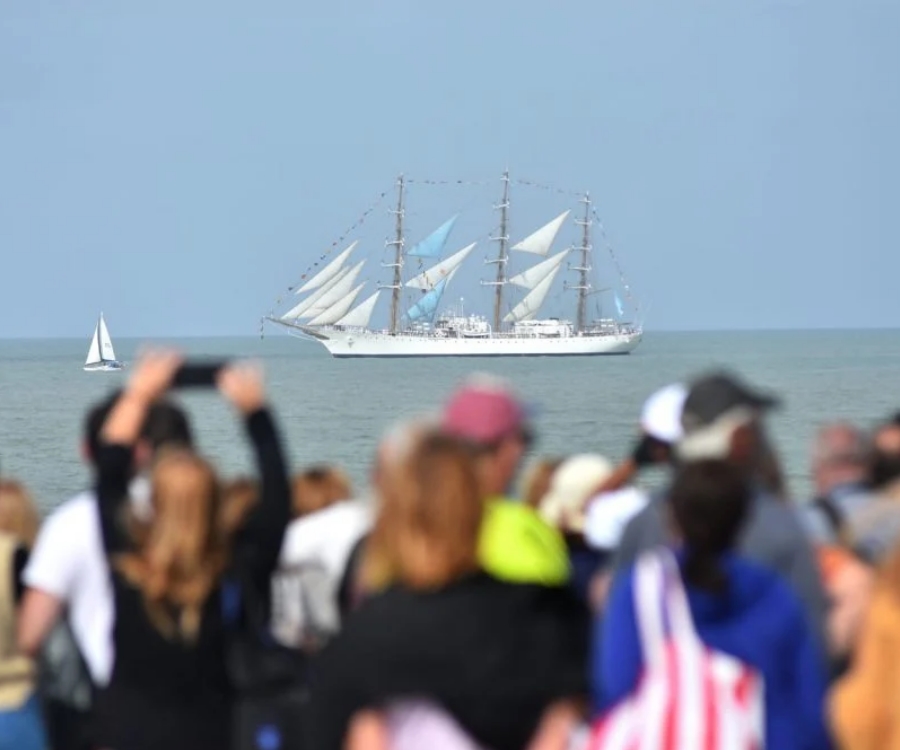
(463,600)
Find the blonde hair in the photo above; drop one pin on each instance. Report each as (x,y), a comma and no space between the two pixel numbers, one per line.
(318,487)
(536,481)
(181,551)
(239,496)
(17,512)
(426,533)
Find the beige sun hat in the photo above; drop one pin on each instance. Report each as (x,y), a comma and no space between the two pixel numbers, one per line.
(573,484)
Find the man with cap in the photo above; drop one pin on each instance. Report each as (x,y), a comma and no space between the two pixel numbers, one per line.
(722,419)
(660,431)
(612,501)
(516,544)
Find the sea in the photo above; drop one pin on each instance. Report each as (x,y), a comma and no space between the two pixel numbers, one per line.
(334,411)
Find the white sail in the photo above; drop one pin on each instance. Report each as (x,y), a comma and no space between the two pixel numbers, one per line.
(338,310)
(337,292)
(540,241)
(529,306)
(360,315)
(444,270)
(93,356)
(301,307)
(106,347)
(533,276)
(329,272)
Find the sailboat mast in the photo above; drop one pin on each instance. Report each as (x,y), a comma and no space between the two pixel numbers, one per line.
(502,253)
(398,259)
(584,268)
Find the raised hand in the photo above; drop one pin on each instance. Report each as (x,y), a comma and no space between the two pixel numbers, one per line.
(242,384)
(154,373)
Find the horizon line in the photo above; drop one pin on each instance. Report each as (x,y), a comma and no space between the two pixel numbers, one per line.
(191,336)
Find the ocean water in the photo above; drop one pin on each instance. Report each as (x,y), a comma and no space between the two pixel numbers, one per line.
(334,410)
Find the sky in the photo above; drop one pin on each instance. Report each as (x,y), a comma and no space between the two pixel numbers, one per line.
(178,165)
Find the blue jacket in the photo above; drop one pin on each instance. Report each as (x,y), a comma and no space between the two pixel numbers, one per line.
(772,535)
(758,620)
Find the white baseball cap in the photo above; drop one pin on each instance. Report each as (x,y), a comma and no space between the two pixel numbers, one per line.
(661,415)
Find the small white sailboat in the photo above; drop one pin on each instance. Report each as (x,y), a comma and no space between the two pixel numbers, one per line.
(101,356)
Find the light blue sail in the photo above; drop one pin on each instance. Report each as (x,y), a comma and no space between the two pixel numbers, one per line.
(619,307)
(433,245)
(426,307)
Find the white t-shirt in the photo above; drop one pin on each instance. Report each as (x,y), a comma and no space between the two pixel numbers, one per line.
(314,556)
(68,562)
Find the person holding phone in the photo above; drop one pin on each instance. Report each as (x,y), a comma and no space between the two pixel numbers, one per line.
(169,687)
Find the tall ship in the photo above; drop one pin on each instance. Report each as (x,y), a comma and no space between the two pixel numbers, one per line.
(419,325)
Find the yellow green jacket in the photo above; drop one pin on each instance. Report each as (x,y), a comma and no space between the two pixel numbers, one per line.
(517,545)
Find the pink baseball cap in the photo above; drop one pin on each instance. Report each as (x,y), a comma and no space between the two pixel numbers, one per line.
(484,410)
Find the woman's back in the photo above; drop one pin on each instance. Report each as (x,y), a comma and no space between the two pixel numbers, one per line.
(169,687)
(494,654)
(184,680)
(755,618)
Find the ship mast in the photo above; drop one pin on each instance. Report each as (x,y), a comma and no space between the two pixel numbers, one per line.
(397,265)
(583,270)
(502,252)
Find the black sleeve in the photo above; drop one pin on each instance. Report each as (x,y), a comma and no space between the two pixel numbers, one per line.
(20,560)
(258,544)
(338,686)
(114,463)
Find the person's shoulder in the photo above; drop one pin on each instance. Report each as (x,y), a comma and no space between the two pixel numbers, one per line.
(318,526)
(516,544)
(770,590)
(78,509)
(507,506)
(63,544)
(609,514)
(351,511)
(503,514)
(776,517)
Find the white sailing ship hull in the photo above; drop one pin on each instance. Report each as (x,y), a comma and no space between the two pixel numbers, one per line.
(349,344)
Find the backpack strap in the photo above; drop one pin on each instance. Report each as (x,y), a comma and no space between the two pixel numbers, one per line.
(834,516)
(661,605)
(678,611)
(648,607)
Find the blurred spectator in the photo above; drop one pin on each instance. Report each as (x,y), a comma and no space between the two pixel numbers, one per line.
(536,480)
(494,655)
(840,474)
(616,501)
(863,704)
(885,462)
(738,608)
(515,543)
(21,721)
(316,582)
(169,687)
(660,430)
(68,569)
(722,419)
(571,486)
(874,530)
(317,487)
